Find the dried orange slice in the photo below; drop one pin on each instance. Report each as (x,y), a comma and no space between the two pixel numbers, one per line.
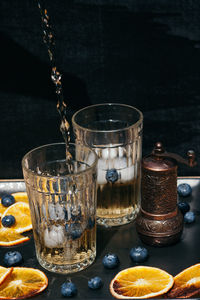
(23,283)
(21,212)
(2,209)
(20,197)
(4,273)
(8,237)
(186,283)
(140,282)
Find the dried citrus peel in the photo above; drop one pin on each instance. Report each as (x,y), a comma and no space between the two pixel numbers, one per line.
(10,236)
(141,282)
(23,283)
(4,273)
(21,212)
(186,283)
(19,197)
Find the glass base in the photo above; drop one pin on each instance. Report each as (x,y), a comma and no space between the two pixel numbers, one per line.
(67,268)
(110,222)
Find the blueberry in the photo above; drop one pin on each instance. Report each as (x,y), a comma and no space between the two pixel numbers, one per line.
(112,175)
(95,283)
(189,217)
(91,223)
(110,261)
(12,258)
(184,190)
(68,289)
(184,207)
(139,254)
(7,200)
(8,221)
(74,230)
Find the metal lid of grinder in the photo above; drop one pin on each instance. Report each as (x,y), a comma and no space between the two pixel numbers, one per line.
(158,160)
(161,160)
(160,222)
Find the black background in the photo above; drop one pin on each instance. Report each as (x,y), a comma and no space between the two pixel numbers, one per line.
(145,53)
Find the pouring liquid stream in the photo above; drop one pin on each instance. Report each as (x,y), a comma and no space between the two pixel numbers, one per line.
(56,77)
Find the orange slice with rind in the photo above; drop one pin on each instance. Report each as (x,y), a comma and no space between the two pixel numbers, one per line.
(2,209)
(4,273)
(19,197)
(8,237)
(21,212)
(23,283)
(186,283)
(141,282)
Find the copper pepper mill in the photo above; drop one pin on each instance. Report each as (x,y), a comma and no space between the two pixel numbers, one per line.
(160,222)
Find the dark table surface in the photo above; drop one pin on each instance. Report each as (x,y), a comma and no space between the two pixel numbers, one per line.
(119,240)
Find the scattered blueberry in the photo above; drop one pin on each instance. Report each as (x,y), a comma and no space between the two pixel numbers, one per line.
(189,217)
(74,230)
(184,207)
(91,223)
(68,289)
(7,200)
(184,190)
(95,283)
(8,221)
(112,175)
(110,261)
(139,254)
(12,258)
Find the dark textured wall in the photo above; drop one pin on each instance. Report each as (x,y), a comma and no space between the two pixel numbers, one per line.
(141,52)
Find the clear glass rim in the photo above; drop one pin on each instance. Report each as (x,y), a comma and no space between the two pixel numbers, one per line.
(134,125)
(94,164)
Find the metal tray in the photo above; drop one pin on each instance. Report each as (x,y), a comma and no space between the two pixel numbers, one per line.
(119,240)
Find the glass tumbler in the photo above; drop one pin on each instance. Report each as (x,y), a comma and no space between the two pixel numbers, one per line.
(62,199)
(114,131)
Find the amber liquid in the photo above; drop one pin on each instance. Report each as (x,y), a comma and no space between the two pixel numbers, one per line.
(118,203)
(70,255)
(58,248)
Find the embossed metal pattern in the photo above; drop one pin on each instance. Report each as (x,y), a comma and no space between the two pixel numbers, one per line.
(159,195)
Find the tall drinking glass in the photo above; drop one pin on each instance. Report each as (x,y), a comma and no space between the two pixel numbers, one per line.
(114,131)
(62,200)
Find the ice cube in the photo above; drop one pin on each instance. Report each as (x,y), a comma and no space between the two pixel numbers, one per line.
(105,164)
(52,211)
(105,153)
(127,174)
(120,151)
(109,153)
(60,212)
(112,153)
(120,163)
(56,211)
(101,177)
(54,237)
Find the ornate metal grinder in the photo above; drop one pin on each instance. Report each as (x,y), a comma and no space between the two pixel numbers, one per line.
(160,222)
